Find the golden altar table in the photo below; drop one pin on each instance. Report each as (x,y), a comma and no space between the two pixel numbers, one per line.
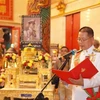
(17,93)
(28,77)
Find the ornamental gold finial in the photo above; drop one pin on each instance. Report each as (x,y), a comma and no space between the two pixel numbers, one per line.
(61,6)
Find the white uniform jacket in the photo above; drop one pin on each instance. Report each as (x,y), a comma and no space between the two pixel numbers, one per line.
(78,92)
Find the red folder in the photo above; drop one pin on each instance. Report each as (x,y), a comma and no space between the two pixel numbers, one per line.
(85,68)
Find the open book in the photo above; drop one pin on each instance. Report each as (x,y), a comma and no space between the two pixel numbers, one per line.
(85,68)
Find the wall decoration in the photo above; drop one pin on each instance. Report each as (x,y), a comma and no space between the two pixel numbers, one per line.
(34,6)
(6,9)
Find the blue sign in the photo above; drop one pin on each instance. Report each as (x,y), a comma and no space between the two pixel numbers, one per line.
(26,95)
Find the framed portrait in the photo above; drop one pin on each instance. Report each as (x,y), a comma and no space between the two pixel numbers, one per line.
(31,31)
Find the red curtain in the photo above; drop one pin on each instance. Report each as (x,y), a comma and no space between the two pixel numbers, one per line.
(72,28)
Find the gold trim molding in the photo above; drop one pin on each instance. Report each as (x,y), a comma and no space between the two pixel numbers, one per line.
(77,10)
(8,23)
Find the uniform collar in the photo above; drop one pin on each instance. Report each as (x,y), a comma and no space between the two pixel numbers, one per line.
(89,51)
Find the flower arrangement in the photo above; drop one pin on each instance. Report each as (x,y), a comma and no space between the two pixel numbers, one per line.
(11,57)
(28,64)
(44,57)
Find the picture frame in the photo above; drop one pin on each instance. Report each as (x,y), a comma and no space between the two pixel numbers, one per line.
(54,50)
(31,31)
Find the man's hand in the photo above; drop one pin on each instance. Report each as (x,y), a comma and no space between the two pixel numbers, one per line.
(77,81)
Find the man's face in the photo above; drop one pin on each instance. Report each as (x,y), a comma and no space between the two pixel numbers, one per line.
(64,51)
(85,41)
(96,44)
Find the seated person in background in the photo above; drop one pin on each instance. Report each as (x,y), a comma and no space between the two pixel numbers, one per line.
(96,43)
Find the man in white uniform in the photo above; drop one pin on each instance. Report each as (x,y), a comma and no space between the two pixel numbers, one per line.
(85,40)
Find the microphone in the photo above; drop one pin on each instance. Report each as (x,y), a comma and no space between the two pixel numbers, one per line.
(72,52)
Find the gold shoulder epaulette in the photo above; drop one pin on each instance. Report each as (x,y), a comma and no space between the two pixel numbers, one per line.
(79,51)
(96,50)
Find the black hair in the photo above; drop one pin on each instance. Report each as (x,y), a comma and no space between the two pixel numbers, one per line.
(64,47)
(87,29)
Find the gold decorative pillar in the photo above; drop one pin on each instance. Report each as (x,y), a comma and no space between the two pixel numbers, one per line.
(11,75)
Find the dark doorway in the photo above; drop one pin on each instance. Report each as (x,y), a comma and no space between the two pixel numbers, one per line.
(7,37)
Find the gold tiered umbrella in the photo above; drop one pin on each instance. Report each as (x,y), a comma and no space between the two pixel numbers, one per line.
(11,50)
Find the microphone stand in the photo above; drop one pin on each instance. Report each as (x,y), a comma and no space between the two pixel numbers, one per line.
(40,96)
